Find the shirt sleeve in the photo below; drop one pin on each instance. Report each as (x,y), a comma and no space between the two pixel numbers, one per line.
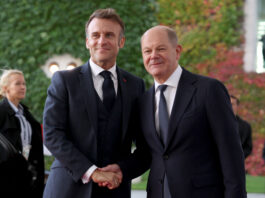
(86,177)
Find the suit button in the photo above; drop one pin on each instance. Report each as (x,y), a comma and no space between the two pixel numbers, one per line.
(165,157)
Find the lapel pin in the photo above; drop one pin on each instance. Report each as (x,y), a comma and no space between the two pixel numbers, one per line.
(124,80)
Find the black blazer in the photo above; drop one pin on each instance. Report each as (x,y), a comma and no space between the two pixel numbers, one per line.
(70,128)
(15,176)
(203,155)
(244,130)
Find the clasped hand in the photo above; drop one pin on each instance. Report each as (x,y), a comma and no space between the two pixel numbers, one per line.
(109,176)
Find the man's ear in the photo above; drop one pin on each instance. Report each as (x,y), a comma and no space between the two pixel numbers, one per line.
(87,46)
(122,42)
(178,50)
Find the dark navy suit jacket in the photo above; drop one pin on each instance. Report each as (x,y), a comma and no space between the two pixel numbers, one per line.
(70,128)
(203,155)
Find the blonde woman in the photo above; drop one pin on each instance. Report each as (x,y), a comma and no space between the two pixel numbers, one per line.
(23,174)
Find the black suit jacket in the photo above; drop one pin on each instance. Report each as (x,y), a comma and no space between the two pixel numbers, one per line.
(15,177)
(203,155)
(263,152)
(70,128)
(244,130)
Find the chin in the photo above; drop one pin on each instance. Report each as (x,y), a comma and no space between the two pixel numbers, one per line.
(156,72)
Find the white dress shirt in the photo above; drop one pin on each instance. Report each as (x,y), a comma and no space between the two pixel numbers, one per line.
(98,79)
(170,93)
(98,82)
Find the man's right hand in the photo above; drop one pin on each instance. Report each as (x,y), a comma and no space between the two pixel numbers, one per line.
(109,178)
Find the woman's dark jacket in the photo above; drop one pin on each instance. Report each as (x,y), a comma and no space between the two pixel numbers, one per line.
(15,177)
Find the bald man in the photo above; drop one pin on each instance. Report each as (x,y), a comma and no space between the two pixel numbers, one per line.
(189,126)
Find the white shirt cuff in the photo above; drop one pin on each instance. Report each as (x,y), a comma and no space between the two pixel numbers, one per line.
(86,177)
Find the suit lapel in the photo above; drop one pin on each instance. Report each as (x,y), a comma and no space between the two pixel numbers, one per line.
(149,121)
(89,94)
(126,104)
(183,96)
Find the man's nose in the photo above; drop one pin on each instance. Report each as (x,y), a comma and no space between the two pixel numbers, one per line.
(154,54)
(101,40)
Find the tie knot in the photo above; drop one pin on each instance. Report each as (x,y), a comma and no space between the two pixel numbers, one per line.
(162,88)
(105,74)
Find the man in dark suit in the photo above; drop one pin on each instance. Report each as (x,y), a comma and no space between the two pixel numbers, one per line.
(189,127)
(244,128)
(86,117)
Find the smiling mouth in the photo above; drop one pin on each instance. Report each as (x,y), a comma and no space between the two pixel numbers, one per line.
(103,49)
(155,64)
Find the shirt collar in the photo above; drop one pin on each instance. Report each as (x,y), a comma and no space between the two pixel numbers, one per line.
(173,80)
(97,69)
(18,109)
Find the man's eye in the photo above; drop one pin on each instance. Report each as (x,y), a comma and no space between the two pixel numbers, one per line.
(94,36)
(147,51)
(109,35)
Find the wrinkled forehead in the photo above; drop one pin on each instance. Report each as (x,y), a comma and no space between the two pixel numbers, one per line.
(103,26)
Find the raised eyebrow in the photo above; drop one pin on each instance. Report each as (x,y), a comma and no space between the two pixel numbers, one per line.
(146,48)
(112,33)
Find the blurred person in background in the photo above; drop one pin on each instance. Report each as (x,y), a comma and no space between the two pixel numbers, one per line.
(244,128)
(23,174)
(262,39)
(263,153)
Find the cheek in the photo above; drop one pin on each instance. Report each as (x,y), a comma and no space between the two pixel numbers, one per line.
(146,60)
(90,44)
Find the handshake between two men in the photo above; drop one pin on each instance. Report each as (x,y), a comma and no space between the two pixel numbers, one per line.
(109,176)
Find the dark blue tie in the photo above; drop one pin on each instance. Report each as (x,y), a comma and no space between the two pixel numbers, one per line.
(163,115)
(163,125)
(108,90)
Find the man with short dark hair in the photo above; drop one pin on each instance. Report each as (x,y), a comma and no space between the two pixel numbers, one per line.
(86,117)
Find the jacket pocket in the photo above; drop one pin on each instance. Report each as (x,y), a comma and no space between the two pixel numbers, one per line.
(200,181)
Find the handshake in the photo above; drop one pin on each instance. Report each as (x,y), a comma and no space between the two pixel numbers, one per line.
(109,176)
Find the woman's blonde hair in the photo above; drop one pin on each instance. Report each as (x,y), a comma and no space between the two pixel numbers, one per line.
(4,79)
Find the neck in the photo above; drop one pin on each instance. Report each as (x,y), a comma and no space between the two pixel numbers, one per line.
(106,65)
(14,101)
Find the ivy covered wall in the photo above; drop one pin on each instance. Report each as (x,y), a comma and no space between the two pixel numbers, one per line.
(34,30)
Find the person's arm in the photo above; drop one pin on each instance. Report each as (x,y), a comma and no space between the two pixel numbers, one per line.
(139,161)
(224,130)
(247,145)
(264,152)
(56,129)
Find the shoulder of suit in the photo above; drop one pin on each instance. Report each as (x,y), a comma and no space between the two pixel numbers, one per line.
(67,74)
(128,75)
(242,122)
(198,80)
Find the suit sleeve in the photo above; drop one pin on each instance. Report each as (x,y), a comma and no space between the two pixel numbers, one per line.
(56,135)
(139,161)
(263,154)
(224,130)
(247,145)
